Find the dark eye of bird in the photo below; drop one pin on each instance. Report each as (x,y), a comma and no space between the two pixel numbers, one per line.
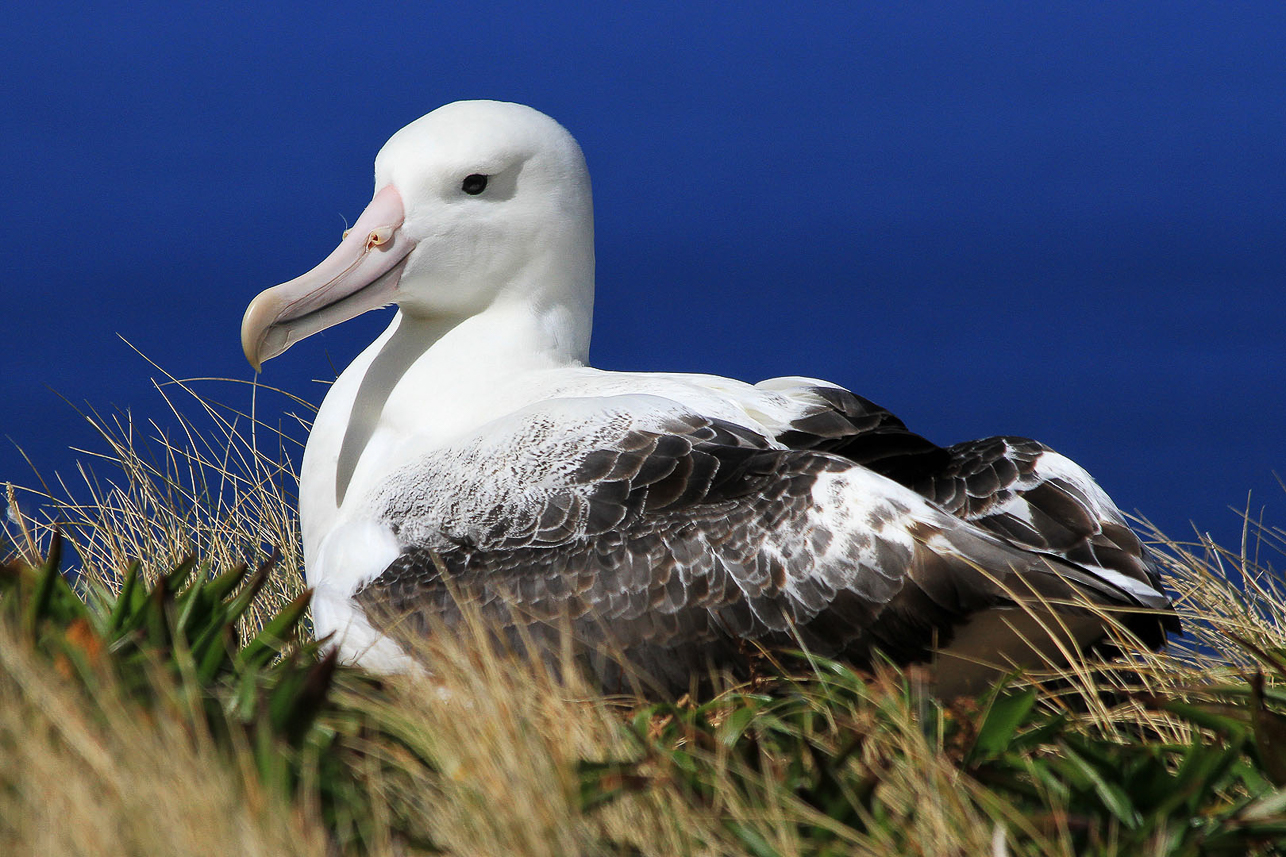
(474,184)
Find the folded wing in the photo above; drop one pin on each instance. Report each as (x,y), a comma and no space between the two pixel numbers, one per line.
(677,540)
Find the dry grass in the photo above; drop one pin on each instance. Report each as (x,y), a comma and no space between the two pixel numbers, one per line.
(505,738)
(219,487)
(87,778)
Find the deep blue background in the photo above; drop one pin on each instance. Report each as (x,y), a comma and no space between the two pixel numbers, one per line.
(991,218)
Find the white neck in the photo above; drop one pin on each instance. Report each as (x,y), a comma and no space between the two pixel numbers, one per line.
(428,380)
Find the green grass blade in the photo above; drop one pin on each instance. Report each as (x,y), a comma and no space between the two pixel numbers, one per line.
(1006,714)
(124,599)
(276,634)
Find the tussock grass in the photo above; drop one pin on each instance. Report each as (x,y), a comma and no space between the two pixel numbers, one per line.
(495,754)
(507,735)
(219,486)
(95,777)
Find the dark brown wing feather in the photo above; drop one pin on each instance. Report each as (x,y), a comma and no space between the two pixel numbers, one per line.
(679,547)
(996,483)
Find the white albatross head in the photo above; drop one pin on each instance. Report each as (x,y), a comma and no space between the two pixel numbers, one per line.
(475,203)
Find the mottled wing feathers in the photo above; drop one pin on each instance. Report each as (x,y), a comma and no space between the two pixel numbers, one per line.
(679,543)
(966,479)
(846,424)
(1013,487)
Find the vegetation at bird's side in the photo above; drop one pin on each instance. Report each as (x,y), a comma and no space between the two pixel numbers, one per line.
(169,651)
(166,698)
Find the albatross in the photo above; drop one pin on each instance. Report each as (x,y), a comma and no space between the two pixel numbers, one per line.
(471,456)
